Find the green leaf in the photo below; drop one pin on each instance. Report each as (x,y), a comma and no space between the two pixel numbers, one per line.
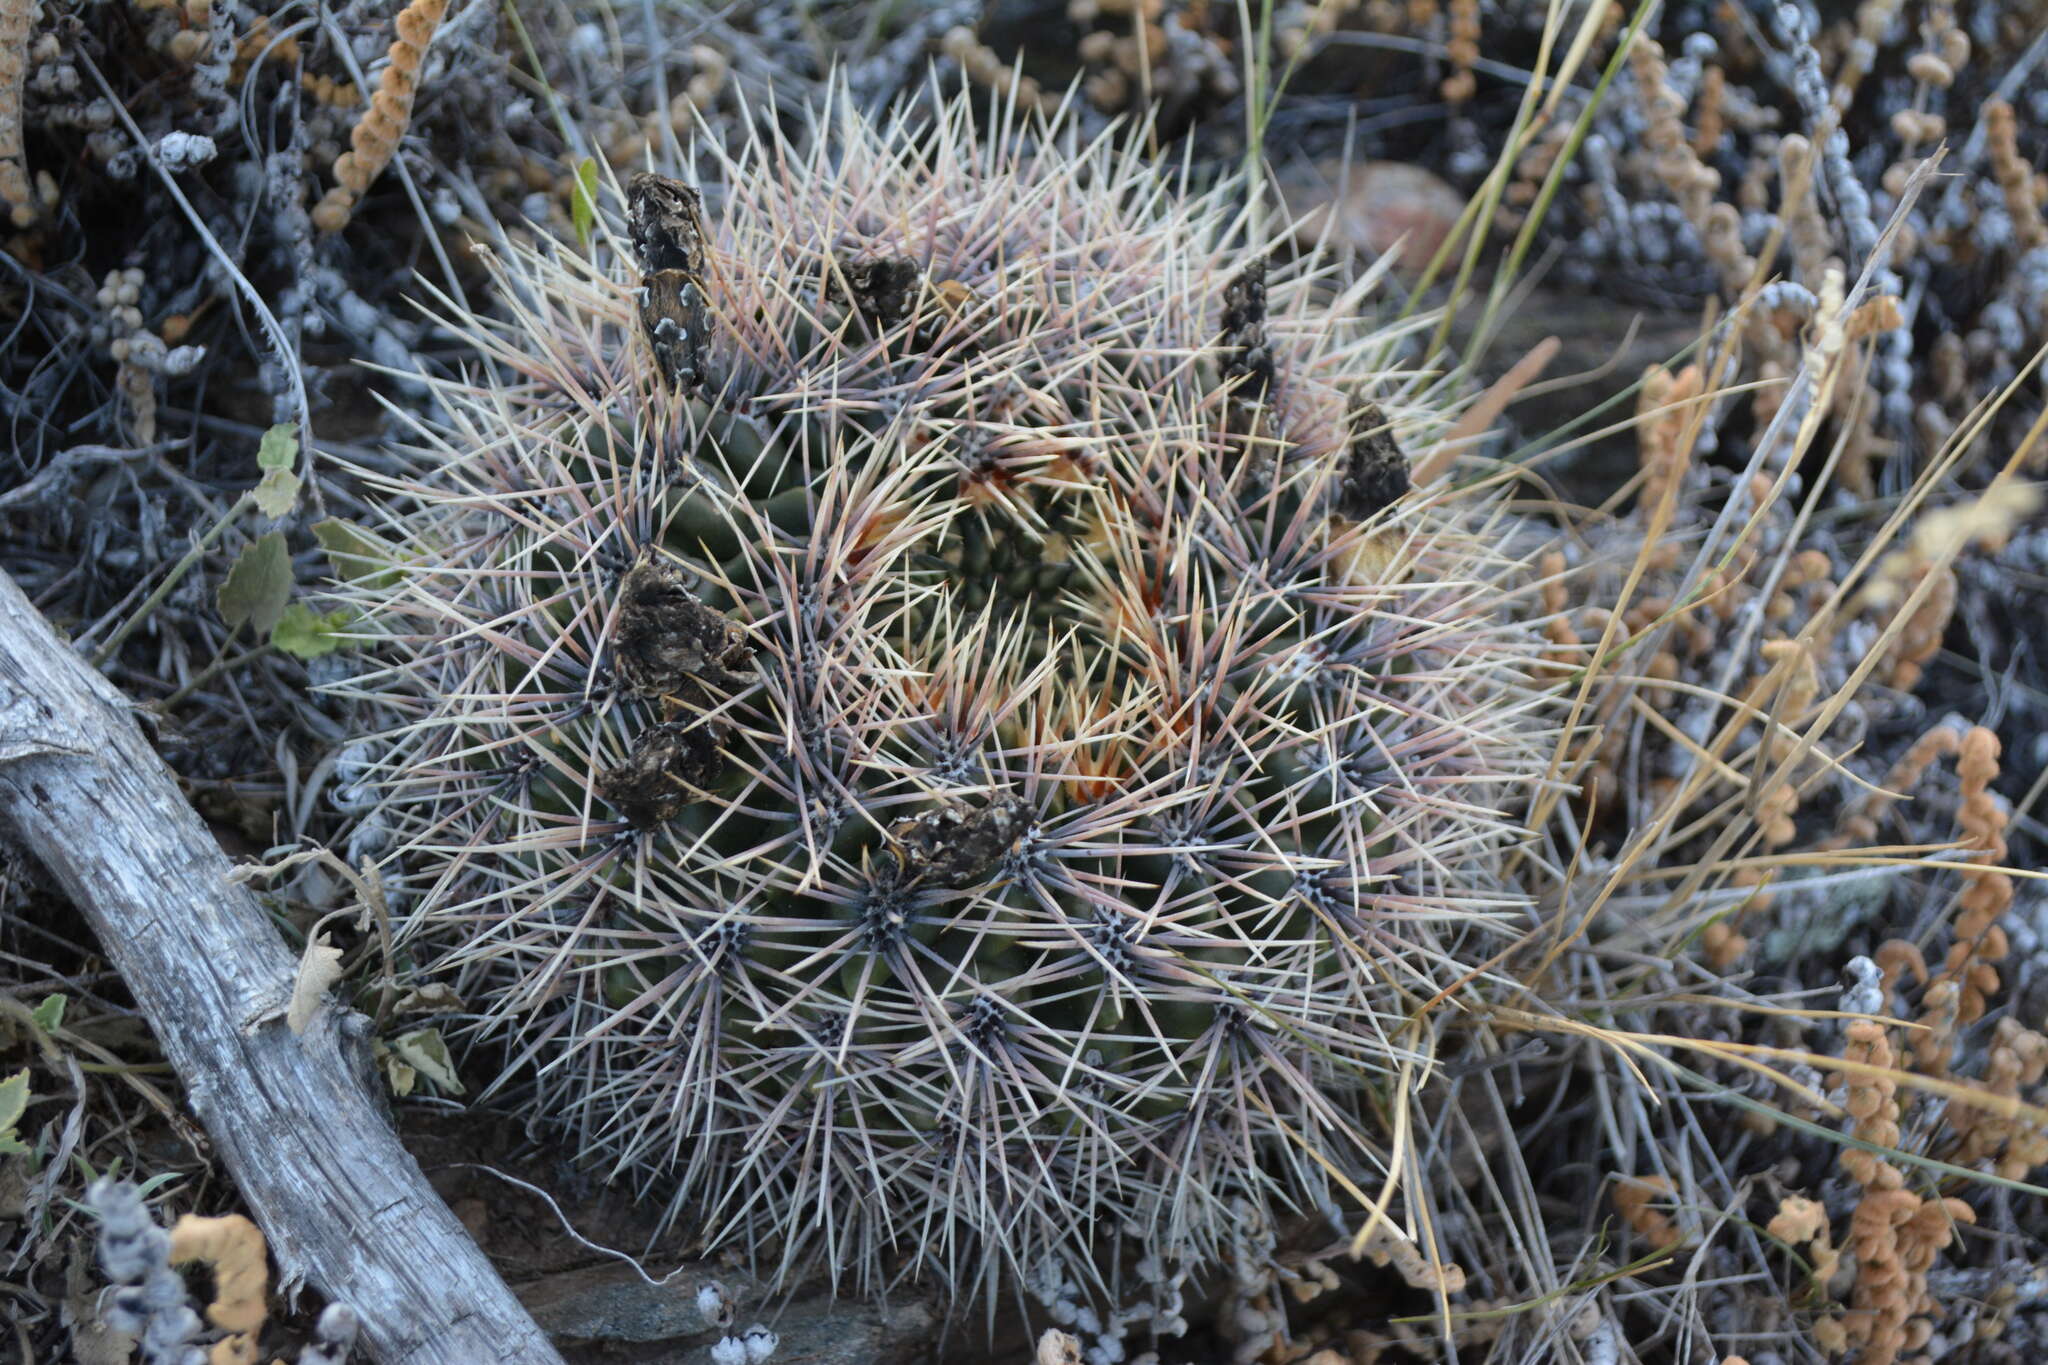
(583,199)
(397,1074)
(280,447)
(49,1015)
(258,586)
(436,998)
(356,554)
(306,634)
(277,493)
(13,1103)
(423,1050)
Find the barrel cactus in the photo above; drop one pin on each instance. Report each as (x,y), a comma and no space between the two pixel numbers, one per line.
(930,727)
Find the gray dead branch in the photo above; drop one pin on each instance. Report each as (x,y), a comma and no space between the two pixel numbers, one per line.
(294,1119)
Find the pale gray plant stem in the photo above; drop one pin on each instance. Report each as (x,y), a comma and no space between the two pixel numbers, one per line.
(272,328)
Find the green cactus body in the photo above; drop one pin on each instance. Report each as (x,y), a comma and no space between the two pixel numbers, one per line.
(1095,798)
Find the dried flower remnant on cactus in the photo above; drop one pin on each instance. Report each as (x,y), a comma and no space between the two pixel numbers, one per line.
(957,846)
(1376,472)
(882,290)
(666,219)
(670,764)
(667,639)
(1248,370)
(1032,883)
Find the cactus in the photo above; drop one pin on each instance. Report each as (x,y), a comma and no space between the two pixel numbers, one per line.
(928,720)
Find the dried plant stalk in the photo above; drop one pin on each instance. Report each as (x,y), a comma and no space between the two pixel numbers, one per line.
(2015,176)
(374,140)
(16,19)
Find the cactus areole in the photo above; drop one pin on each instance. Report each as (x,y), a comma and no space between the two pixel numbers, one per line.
(927,724)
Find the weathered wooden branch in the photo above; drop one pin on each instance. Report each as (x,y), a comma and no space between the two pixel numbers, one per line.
(343,1204)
